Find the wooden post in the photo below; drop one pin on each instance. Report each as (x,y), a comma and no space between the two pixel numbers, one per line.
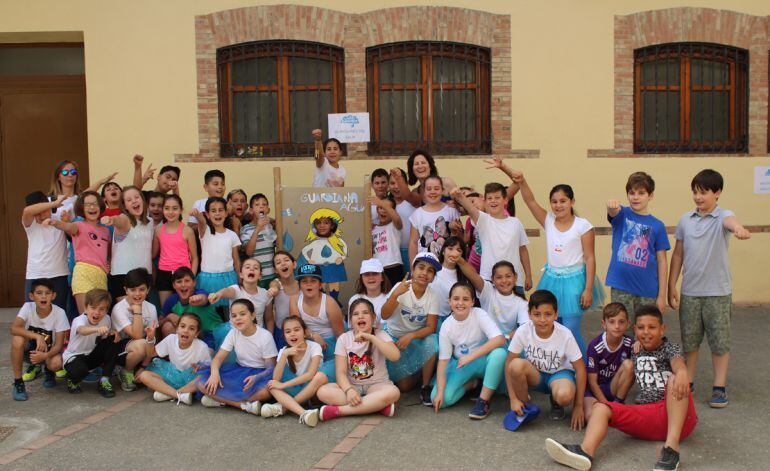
(367,219)
(278,203)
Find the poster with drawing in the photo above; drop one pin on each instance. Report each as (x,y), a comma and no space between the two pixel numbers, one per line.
(326,227)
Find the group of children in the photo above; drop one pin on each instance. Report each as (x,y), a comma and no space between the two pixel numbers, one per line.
(212,309)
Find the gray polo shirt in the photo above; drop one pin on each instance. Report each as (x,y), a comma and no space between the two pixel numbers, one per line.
(706,266)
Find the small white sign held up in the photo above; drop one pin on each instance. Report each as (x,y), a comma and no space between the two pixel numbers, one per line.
(762,180)
(349,127)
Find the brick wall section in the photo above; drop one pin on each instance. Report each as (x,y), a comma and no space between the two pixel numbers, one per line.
(689,25)
(354,33)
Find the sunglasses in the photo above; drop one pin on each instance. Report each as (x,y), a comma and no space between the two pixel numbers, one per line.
(66,172)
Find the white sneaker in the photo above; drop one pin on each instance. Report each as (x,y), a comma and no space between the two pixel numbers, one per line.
(206,401)
(309,418)
(272,410)
(158,396)
(184,398)
(251,407)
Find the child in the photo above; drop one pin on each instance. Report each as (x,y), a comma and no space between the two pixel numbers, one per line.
(328,171)
(236,210)
(131,240)
(551,362)
(168,178)
(373,286)
(470,346)
(471,241)
(451,253)
(430,223)
(195,301)
(637,271)
(411,312)
(176,377)
(701,249)
(664,409)
(404,209)
(320,312)
(214,184)
(379,181)
(220,263)
(175,246)
(297,375)
(288,287)
(112,194)
(155,207)
(134,321)
(39,329)
(386,238)
(570,273)
(242,384)
(91,242)
(47,247)
(325,248)
(258,238)
(89,343)
(362,385)
(249,289)
(610,369)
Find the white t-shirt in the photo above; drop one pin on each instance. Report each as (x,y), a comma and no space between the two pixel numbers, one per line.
(83,344)
(328,176)
(411,313)
(183,359)
(500,240)
(432,227)
(313,350)
(405,210)
(250,351)
(386,244)
(550,355)
(260,300)
(122,316)
(55,321)
(200,205)
(217,251)
(47,252)
(459,338)
(565,249)
(508,312)
(441,284)
(376,302)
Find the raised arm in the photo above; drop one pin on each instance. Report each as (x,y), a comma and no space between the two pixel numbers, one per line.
(319,148)
(98,183)
(138,180)
(29,212)
(121,223)
(613,208)
(472,211)
(413,197)
(70,228)
(388,208)
(473,276)
(529,198)
(497,162)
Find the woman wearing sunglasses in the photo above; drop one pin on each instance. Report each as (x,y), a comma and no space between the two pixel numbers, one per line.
(65,182)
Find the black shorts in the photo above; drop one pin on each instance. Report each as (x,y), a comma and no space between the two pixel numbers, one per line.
(116,286)
(164,280)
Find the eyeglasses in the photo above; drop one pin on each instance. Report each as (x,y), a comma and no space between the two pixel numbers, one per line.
(72,171)
(90,205)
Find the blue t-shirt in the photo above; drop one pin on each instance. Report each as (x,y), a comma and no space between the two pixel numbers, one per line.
(636,240)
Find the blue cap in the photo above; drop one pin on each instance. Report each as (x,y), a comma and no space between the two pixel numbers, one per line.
(513,421)
(308,270)
(427,257)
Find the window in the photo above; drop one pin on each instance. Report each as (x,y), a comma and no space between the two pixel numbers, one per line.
(272,94)
(690,98)
(430,95)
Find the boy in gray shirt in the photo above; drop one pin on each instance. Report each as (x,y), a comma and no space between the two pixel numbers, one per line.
(701,255)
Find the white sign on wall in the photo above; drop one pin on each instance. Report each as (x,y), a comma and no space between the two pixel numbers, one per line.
(762,180)
(349,127)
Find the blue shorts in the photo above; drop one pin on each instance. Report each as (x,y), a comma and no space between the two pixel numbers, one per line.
(547,378)
(606,390)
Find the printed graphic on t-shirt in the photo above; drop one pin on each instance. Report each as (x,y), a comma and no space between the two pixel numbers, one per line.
(47,335)
(558,247)
(464,349)
(380,242)
(432,238)
(649,376)
(543,360)
(361,367)
(634,246)
(416,316)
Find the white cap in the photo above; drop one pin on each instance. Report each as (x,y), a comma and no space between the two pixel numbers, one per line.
(371,265)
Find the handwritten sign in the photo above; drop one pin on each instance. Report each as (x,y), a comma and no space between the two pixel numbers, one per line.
(762,180)
(349,127)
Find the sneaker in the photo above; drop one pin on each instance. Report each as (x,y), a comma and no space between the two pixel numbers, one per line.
(184,398)
(105,388)
(425,396)
(480,410)
(32,372)
(309,417)
(207,401)
(271,410)
(19,391)
(61,374)
(557,411)
(389,410)
(329,413)
(718,399)
(49,379)
(158,396)
(252,407)
(669,460)
(73,388)
(568,455)
(127,381)
(93,375)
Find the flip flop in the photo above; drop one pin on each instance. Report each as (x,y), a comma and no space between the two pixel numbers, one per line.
(513,421)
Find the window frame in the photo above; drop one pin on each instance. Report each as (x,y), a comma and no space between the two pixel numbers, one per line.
(737,85)
(425,51)
(282,50)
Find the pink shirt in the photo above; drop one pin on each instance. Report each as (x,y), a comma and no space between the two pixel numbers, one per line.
(174,251)
(91,244)
(366,363)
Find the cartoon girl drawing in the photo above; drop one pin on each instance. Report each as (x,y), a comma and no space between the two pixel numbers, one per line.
(324,247)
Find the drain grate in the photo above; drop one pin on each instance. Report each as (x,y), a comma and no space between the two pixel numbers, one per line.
(5,432)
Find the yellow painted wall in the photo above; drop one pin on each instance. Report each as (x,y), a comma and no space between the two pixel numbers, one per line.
(141,86)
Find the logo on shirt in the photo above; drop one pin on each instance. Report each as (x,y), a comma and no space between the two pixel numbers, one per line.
(544,360)
(634,246)
(464,349)
(361,367)
(415,317)
(648,375)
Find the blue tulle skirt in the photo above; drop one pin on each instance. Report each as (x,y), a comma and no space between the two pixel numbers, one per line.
(326,368)
(567,284)
(215,338)
(232,377)
(331,344)
(213,282)
(416,354)
(171,375)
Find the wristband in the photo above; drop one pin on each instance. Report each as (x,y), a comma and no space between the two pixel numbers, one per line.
(152,342)
(348,389)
